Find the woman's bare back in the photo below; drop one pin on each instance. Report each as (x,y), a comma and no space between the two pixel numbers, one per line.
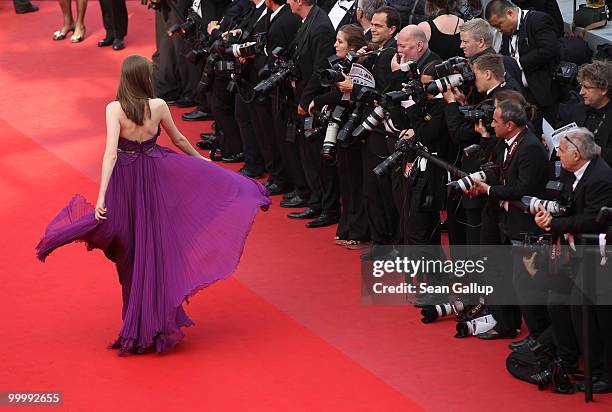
(131,131)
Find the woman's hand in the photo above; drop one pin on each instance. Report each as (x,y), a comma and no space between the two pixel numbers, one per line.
(362,51)
(345,86)
(100,209)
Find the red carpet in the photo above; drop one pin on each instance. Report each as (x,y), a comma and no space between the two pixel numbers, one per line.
(287,332)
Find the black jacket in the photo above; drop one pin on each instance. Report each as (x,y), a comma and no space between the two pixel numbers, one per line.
(539,55)
(314,43)
(593,191)
(603,137)
(550,7)
(524,174)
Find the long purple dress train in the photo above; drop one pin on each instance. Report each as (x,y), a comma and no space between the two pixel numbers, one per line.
(175,224)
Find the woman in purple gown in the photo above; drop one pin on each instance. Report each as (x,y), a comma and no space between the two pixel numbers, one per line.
(171,223)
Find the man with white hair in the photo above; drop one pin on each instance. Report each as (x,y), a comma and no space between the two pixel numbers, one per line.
(589,180)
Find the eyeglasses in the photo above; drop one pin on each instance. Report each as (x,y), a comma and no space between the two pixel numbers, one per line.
(572,143)
(584,86)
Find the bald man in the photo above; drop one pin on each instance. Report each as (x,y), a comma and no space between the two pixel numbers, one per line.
(412,45)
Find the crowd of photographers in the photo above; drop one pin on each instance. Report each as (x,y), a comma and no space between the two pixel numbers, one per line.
(408,123)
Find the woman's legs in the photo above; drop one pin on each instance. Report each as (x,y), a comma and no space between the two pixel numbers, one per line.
(67,13)
(80,23)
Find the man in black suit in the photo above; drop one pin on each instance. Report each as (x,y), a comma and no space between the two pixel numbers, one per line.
(489,74)
(531,39)
(589,180)
(115,19)
(522,164)
(280,148)
(596,112)
(550,7)
(313,44)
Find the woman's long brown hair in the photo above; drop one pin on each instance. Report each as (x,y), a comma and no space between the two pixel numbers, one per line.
(135,88)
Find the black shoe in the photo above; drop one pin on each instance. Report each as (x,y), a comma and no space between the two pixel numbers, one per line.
(290,195)
(106,42)
(29,9)
(308,213)
(323,220)
(205,144)
(216,155)
(118,44)
(209,136)
(268,183)
(295,201)
(274,189)
(493,335)
(237,158)
(194,116)
(250,173)
(170,101)
(599,386)
(528,341)
(185,103)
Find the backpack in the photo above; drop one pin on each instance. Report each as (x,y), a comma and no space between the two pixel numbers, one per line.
(603,52)
(523,364)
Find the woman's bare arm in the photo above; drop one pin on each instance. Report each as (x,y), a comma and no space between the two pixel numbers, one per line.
(176,136)
(110,155)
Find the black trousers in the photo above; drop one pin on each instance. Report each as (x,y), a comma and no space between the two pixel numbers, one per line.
(321,176)
(284,120)
(353,223)
(383,218)
(223,107)
(173,76)
(253,159)
(266,133)
(115,18)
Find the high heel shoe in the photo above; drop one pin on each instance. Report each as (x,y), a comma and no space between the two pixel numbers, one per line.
(60,35)
(77,39)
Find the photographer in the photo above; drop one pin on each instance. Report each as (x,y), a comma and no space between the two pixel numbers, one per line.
(352,229)
(379,202)
(175,79)
(488,72)
(477,39)
(522,171)
(530,38)
(311,48)
(245,79)
(596,112)
(283,160)
(588,180)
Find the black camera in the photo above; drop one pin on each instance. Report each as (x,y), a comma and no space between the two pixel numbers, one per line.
(314,126)
(328,152)
(284,69)
(339,67)
(189,29)
(233,49)
(451,73)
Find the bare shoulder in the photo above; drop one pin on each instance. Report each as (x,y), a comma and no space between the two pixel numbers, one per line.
(113,106)
(158,106)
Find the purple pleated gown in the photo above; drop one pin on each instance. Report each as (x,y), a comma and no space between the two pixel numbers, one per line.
(175,224)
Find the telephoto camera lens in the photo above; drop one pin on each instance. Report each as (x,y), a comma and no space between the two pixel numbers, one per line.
(469,181)
(533,205)
(328,152)
(371,122)
(444,84)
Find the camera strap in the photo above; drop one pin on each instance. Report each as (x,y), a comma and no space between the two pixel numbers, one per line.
(511,152)
(303,39)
